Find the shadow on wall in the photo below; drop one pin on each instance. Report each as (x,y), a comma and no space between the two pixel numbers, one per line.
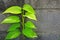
(7,3)
(2,5)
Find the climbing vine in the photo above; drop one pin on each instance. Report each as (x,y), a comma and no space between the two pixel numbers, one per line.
(15,21)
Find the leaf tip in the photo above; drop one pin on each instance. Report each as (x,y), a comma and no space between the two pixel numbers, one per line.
(3,13)
(1,23)
(35,36)
(34,27)
(35,19)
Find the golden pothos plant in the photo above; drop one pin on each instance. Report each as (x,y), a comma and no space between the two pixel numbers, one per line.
(13,31)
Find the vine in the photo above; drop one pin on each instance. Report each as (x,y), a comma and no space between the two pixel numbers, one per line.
(13,31)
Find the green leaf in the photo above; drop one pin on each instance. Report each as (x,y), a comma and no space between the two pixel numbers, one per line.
(11,19)
(29,33)
(13,10)
(29,24)
(29,8)
(13,27)
(31,16)
(14,34)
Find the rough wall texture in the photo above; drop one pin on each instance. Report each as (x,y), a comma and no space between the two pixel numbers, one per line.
(48,15)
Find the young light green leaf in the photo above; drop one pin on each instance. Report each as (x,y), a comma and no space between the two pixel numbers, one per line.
(29,33)
(13,34)
(11,19)
(28,8)
(13,10)
(29,24)
(14,27)
(31,16)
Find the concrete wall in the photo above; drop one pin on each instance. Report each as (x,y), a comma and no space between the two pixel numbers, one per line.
(48,15)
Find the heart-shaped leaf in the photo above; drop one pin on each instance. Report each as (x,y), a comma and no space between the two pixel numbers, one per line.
(28,8)
(13,34)
(11,19)
(29,33)
(13,10)
(13,27)
(31,16)
(29,24)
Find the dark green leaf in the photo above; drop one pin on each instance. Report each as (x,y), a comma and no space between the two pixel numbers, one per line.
(13,10)
(31,16)
(29,33)
(11,19)
(29,24)
(14,34)
(13,27)
(28,8)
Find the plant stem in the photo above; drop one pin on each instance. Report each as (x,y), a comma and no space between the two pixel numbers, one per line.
(23,24)
(23,20)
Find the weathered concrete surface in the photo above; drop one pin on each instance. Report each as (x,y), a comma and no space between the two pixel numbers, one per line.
(48,21)
(44,3)
(2,6)
(48,15)
(2,35)
(48,24)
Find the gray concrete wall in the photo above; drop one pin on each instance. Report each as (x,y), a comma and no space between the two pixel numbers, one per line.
(48,15)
